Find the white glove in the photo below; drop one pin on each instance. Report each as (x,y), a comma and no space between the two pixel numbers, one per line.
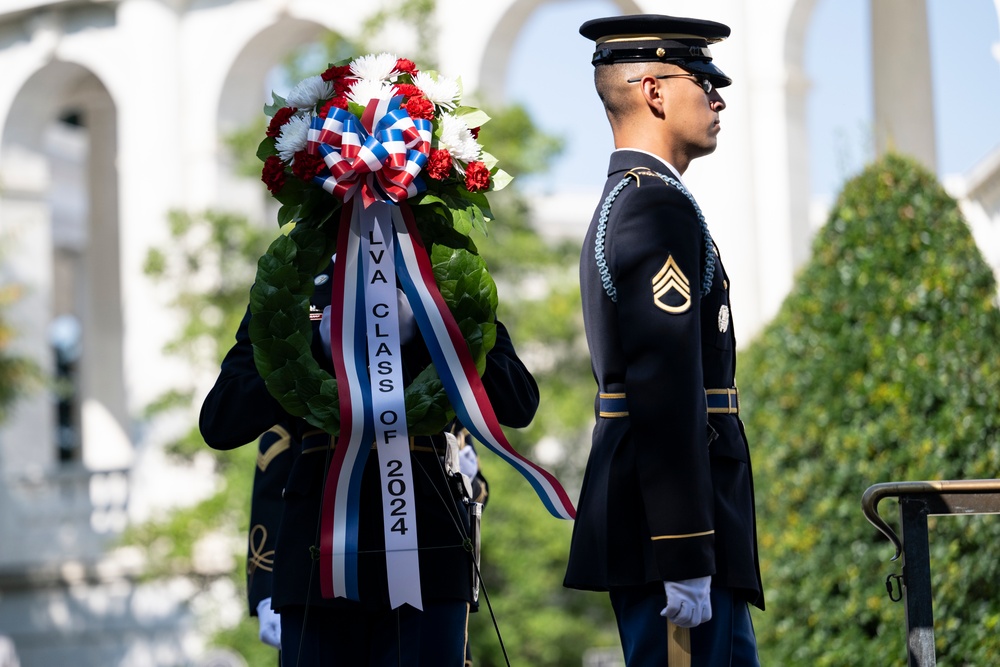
(324,331)
(407,325)
(468,461)
(688,602)
(270,624)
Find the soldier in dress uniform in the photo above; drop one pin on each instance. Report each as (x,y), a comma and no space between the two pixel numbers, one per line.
(665,520)
(321,631)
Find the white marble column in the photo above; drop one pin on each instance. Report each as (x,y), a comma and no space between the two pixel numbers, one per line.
(901,76)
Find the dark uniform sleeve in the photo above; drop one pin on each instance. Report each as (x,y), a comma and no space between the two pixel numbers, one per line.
(657,246)
(274,460)
(238,408)
(510,386)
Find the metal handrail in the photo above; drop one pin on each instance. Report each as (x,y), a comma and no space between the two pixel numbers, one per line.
(917,501)
(876,492)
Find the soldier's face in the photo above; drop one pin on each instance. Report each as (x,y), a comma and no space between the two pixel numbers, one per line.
(691,115)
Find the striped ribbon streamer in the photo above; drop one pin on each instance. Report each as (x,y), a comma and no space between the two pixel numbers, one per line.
(342,492)
(455,364)
(385,361)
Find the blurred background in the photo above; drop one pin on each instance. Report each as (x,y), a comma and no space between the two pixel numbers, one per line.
(132,215)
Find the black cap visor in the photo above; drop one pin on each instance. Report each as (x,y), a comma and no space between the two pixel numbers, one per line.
(706,67)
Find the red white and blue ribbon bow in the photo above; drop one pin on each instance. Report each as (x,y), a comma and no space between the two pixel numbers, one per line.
(382,153)
(378,236)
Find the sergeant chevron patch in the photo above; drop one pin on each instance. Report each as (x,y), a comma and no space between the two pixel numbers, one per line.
(671,288)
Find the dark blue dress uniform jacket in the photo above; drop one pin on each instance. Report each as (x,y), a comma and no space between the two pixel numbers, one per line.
(274,460)
(668,491)
(239,408)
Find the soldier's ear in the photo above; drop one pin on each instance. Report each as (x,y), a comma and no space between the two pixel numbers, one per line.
(652,93)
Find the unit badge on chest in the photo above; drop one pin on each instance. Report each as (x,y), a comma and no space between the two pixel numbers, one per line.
(671,288)
(723,318)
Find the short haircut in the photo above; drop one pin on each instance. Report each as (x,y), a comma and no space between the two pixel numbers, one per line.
(610,81)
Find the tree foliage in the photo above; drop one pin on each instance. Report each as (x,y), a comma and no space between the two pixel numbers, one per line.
(18,374)
(880,366)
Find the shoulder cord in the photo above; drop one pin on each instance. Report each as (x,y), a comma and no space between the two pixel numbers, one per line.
(602,229)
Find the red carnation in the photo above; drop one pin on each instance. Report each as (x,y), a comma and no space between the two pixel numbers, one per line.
(438,164)
(475,132)
(335,72)
(477,177)
(420,107)
(408,90)
(279,119)
(343,86)
(273,174)
(406,66)
(338,102)
(305,166)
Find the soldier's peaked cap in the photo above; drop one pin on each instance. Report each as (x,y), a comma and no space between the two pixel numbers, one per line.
(641,38)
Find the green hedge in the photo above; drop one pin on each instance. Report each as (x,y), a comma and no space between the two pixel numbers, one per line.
(881,366)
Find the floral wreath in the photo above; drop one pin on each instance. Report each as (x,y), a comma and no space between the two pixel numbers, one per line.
(448,204)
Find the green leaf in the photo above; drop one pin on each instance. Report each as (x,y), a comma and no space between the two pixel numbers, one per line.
(289,213)
(277,103)
(267,148)
(501,179)
(472,116)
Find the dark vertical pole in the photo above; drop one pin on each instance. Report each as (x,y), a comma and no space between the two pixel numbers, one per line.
(917,582)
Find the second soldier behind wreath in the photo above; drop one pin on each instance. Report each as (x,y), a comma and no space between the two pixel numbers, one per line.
(665,520)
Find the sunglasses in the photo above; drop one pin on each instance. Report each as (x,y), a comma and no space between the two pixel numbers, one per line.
(702,81)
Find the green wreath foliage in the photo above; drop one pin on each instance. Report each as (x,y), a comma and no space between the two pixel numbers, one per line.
(281,332)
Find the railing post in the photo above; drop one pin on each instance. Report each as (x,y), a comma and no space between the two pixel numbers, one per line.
(917,501)
(913,511)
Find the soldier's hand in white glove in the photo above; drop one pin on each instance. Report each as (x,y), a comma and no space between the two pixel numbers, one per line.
(324,332)
(468,461)
(270,624)
(407,324)
(688,602)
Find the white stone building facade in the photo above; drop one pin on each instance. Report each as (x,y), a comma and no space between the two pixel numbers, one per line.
(111,115)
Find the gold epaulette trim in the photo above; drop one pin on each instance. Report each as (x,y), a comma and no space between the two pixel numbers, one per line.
(636,172)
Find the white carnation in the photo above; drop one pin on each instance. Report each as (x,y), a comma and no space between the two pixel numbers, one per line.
(374,66)
(458,140)
(293,137)
(441,91)
(308,92)
(366,90)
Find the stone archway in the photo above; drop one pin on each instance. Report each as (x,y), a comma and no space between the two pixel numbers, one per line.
(242,96)
(496,55)
(61,205)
